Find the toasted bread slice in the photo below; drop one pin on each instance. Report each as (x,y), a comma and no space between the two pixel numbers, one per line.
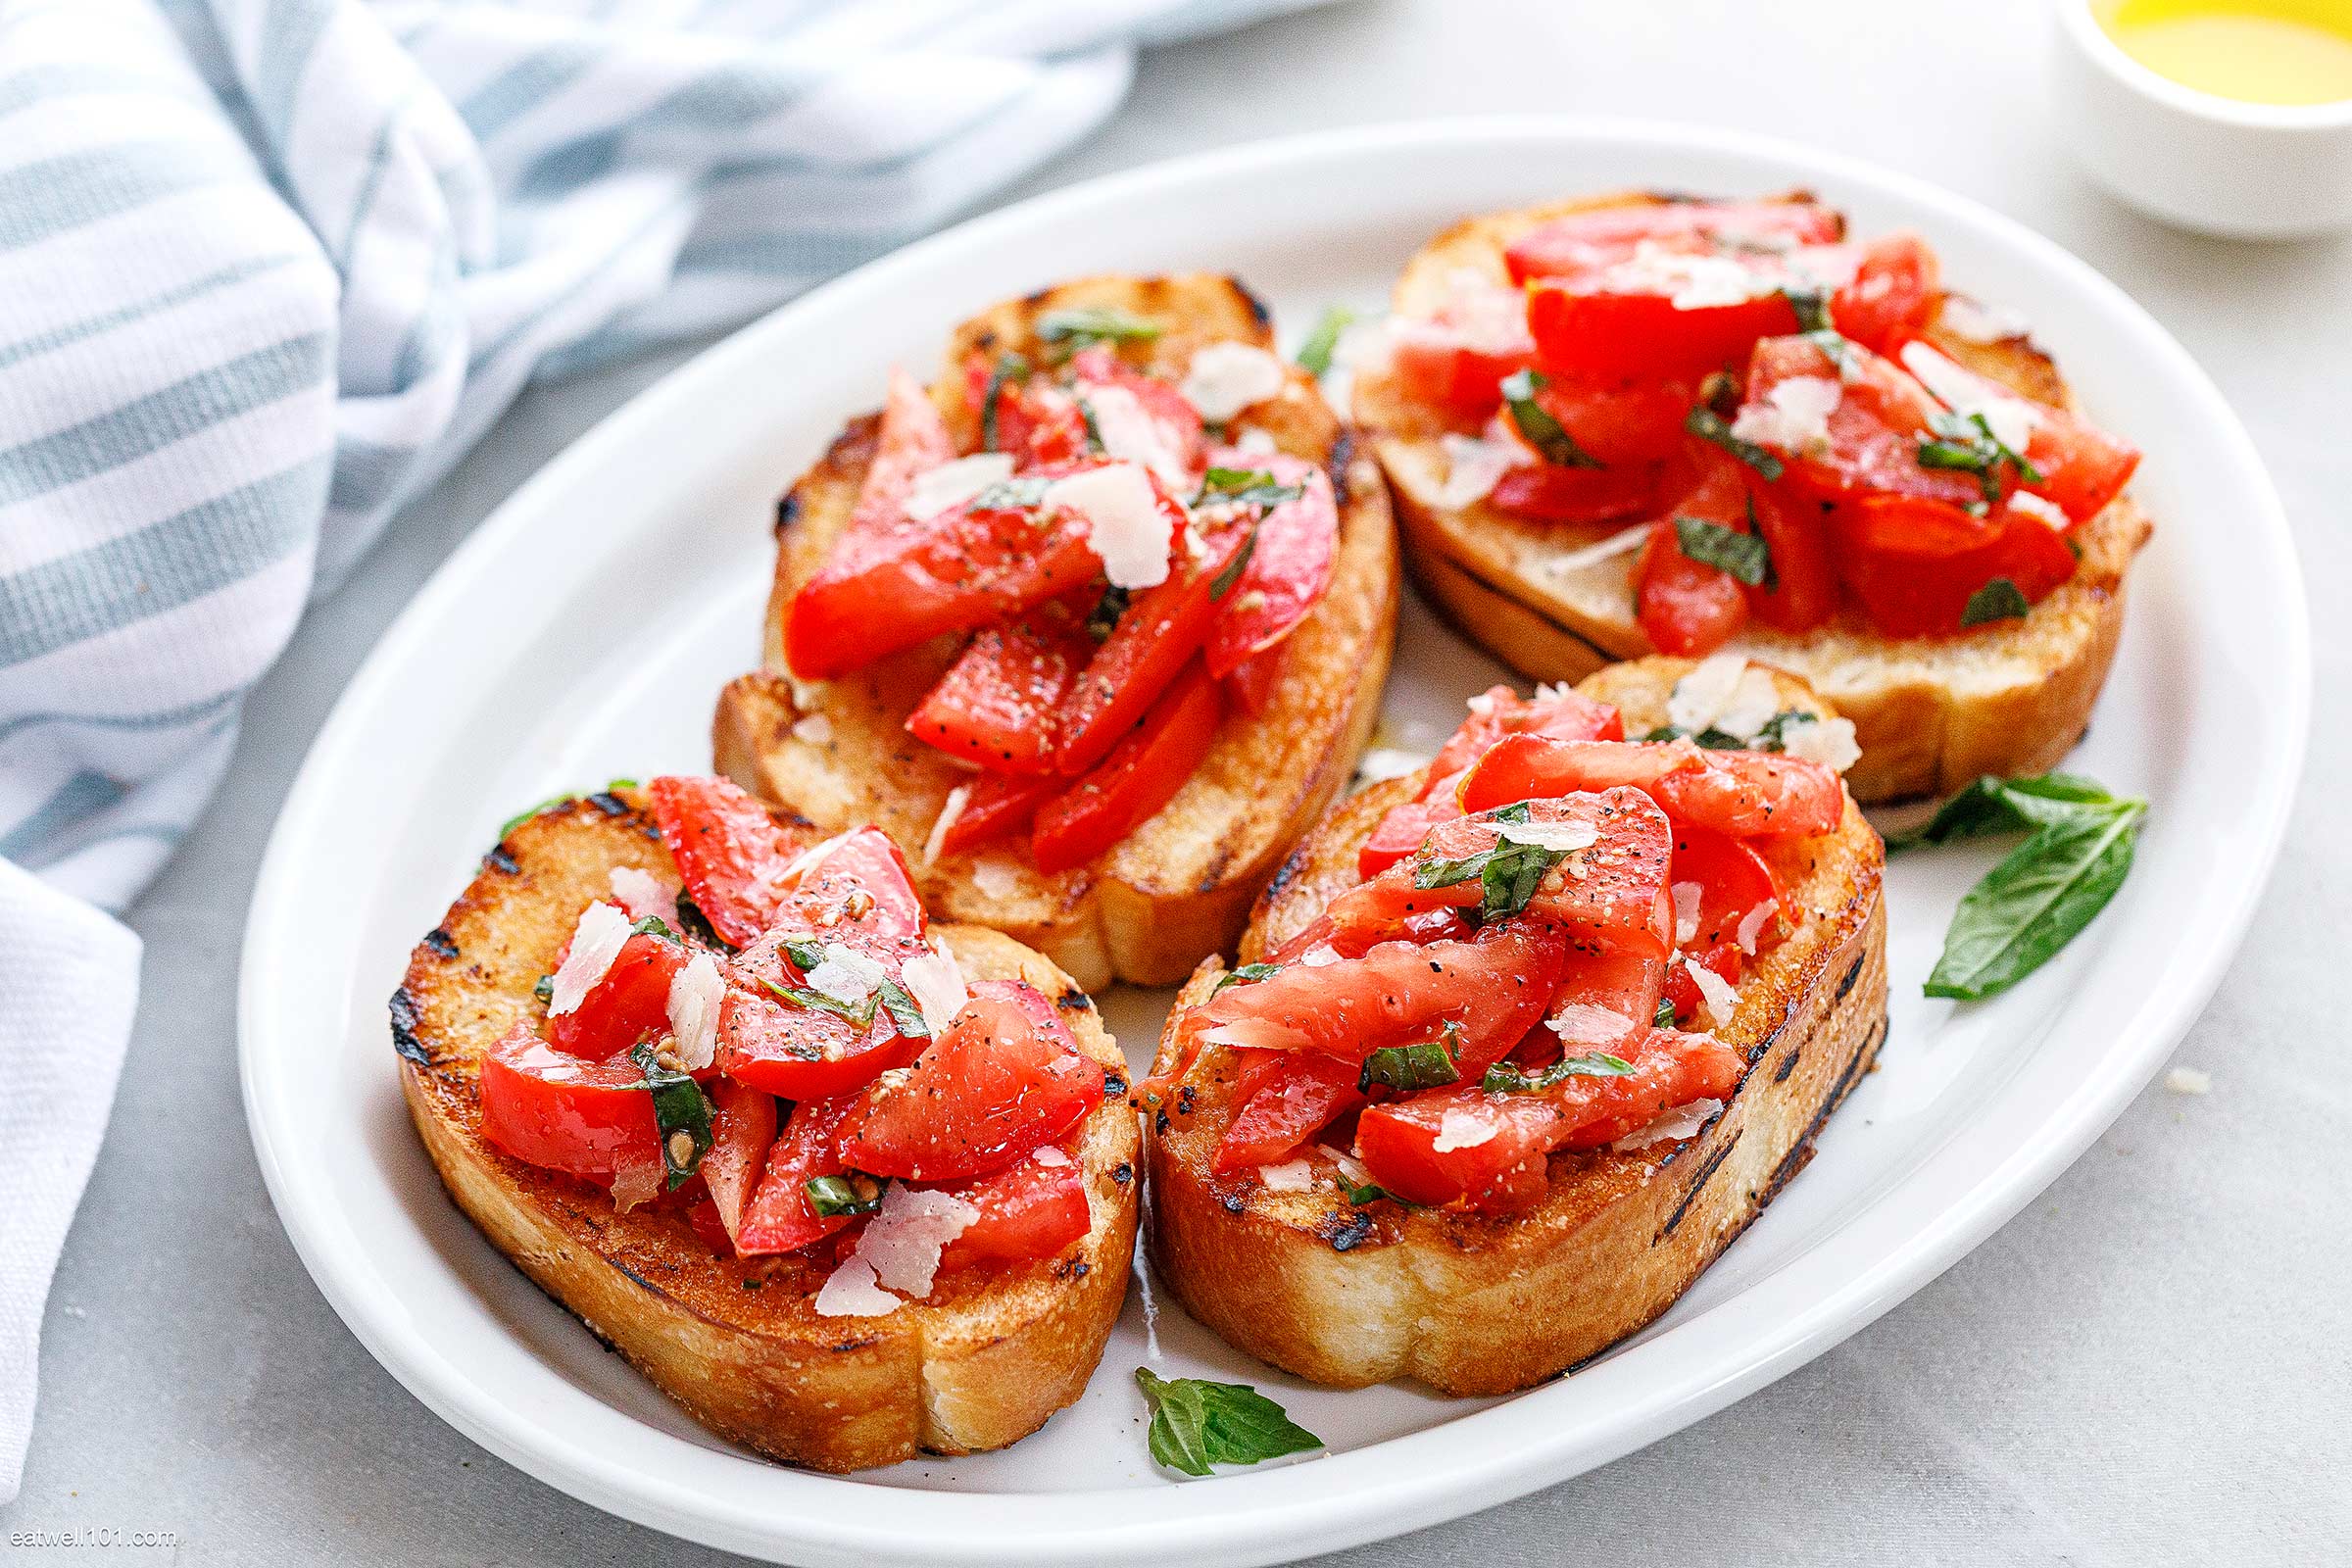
(1475,1304)
(984,1361)
(1931,714)
(1180,886)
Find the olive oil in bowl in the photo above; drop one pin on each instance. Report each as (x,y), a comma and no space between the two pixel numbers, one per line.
(2285,52)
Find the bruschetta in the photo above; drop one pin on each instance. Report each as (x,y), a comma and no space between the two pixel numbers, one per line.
(1521,1042)
(1094,627)
(1639,424)
(843,1183)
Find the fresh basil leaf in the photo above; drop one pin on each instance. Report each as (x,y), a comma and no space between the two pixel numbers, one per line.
(1368,1192)
(1508,874)
(1666,1017)
(1746,555)
(1314,355)
(1812,306)
(545,990)
(1992,805)
(529,811)
(680,1113)
(1104,619)
(2037,901)
(1546,434)
(805,954)
(862,1014)
(1423,1064)
(1246,975)
(1968,445)
(619,784)
(1667,732)
(1251,486)
(1705,423)
(1234,568)
(852,1194)
(1836,347)
(1504,1079)
(903,1008)
(1009,368)
(1998,599)
(1094,431)
(1196,1424)
(1074,329)
(653,925)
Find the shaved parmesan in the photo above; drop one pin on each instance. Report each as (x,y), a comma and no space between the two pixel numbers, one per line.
(1050,1157)
(1291,1176)
(1751,925)
(1827,740)
(1754,700)
(1584,1023)
(1561,838)
(1686,897)
(846,976)
(1690,281)
(813,730)
(1675,1123)
(951,485)
(1717,992)
(1704,692)
(1131,434)
(1624,542)
(1227,377)
(1458,1129)
(2042,511)
(1975,321)
(1389,762)
(1353,1169)
(936,983)
(595,943)
(1481,311)
(645,896)
(903,1242)
(1473,468)
(850,1291)
(1123,521)
(952,808)
(1792,417)
(695,995)
(1252,442)
(2010,420)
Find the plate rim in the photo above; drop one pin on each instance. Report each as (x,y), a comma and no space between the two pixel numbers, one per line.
(1260,1516)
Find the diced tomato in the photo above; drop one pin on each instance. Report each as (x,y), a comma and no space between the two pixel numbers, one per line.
(852,886)
(1746,793)
(1875,429)
(1800,590)
(1578,241)
(1915,527)
(1291,557)
(1891,295)
(1438,364)
(1028,1210)
(1583,326)
(913,438)
(1492,987)
(1625,422)
(1003,1078)
(1399,833)
(778,1218)
(630,1003)
(1920,596)
(560,1112)
(1724,958)
(999,805)
(1685,607)
(1293,1097)
(710,1229)
(1152,643)
(1608,996)
(1173,422)
(743,1125)
(2079,466)
(996,704)
(1547,492)
(1561,712)
(1733,882)
(1398,1140)
(1250,685)
(1143,773)
(731,853)
(804,1052)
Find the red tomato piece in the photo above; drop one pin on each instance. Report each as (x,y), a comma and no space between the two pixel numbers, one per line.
(1152,643)
(804,1052)
(559,1112)
(1891,295)
(743,1126)
(731,853)
(1803,593)
(1562,714)
(2079,466)
(630,1003)
(996,704)
(1400,832)
(1028,1210)
(1578,241)
(1175,423)
(1734,883)
(1289,1100)
(1915,596)
(778,1218)
(913,438)
(1296,546)
(1545,492)
(999,805)
(1143,773)
(1915,527)
(1585,325)
(852,887)
(1250,685)
(1624,422)
(1724,958)
(1746,793)
(1003,1078)
(1685,606)
(1441,364)
(1608,996)
(1875,430)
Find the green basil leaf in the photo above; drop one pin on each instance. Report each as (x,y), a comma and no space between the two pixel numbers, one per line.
(1009,368)
(545,990)
(1423,1064)
(653,925)
(680,1113)
(1998,599)
(1667,1017)
(1506,1079)
(1546,434)
(1234,568)
(1251,486)
(862,1014)
(903,1008)
(853,1194)
(529,811)
(1746,555)
(1074,329)
(1104,619)
(1667,732)
(1990,805)
(1094,431)
(1705,423)
(2038,899)
(1196,1424)
(1508,874)
(1246,975)
(1314,355)
(1812,306)
(619,784)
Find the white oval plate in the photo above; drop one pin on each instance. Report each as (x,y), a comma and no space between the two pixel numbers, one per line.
(583,632)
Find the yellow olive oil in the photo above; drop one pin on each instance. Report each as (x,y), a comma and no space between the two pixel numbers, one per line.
(2255,51)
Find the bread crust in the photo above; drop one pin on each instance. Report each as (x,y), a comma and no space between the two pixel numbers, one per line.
(736,1342)
(1931,714)
(1181,885)
(1472,1305)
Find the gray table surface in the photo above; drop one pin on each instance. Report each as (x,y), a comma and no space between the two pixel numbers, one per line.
(2149,1364)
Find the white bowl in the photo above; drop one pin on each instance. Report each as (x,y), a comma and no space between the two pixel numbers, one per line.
(2205,163)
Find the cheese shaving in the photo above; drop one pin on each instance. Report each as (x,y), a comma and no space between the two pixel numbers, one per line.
(813,730)
(1389,762)
(1827,740)
(850,1291)
(1050,1157)
(951,485)
(1473,469)
(1794,416)
(1585,1023)
(595,943)
(1227,377)
(1131,434)
(1755,701)
(1458,1129)
(952,808)
(1975,321)
(2047,512)
(1624,542)
(695,995)
(645,896)
(2189,1081)
(1291,1176)
(1686,897)
(1704,692)
(1123,521)
(936,983)
(1675,1123)
(1718,993)
(2010,420)
(1751,925)
(903,1242)
(846,976)
(1561,838)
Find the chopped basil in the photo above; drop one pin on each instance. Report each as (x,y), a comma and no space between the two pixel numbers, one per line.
(832,1195)
(1508,873)
(1836,347)
(1104,619)
(1812,306)
(805,954)
(1546,434)
(1666,1017)
(1196,1424)
(1965,442)
(1011,495)
(1709,425)
(1772,737)
(1234,568)
(1246,975)
(1998,599)
(681,1114)
(1423,1064)
(1254,486)
(529,811)
(619,784)
(904,1010)
(888,996)
(1074,329)
(1094,431)
(653,925)
(545,990)
(1009,368)
(1314,355)
(1746,555)
(1506,1079)
(1368,1192)
(862,1014)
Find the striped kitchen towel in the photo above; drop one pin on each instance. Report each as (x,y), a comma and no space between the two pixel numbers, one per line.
(268,267)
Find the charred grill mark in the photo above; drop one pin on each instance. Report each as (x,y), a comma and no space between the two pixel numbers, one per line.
(788,510)
(1072,1268)
(1122,1173)
(1217,864)
(1763,1047)
(1258,306)
(608,802)
(441,942)
(1074,1000)
(404,1029)
(1851,975)
(500,862)
(1343,455)
(1787,1066)
(1706,1173)
(1344,1234)
(1037,297)
(1795,1160)
(1113,1085)
(1284,875)
(638,1280)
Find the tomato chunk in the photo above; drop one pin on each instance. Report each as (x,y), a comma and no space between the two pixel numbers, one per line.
(1685,607)
(1746,793)
(733,856)
(1589,327)
(1562,714)
(1907,595)
(630,1003)
(1143,773)
(2077,465)
(554,1110)
(1291,557)
(913,438)
(1143,656)
(996,704)
(1624,422)
(743,1127)
(1891,295)
(1003,1078)
(1545,492)
(1734,883)
(778,1218)
(999,805)
(1577,241)
(1400,832)
(1286,1100)
(1874,429)
(1028,1210)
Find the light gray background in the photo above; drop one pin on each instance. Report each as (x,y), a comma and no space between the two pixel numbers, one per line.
(2152,1363)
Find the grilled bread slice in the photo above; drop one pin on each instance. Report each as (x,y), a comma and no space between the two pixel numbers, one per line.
(1931,714)
(984,1361)
(1473,1305)
(1180,886)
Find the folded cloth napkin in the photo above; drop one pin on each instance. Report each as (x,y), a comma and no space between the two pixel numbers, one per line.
(268,267)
